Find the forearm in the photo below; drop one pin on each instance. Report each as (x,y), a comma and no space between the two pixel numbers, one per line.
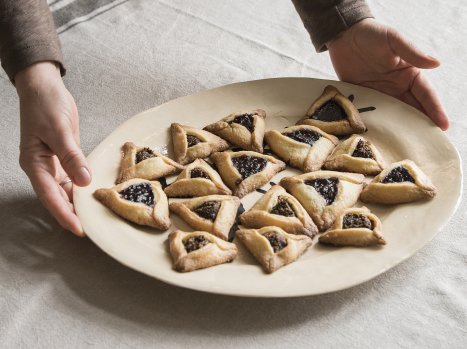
(325,19)
(27,35)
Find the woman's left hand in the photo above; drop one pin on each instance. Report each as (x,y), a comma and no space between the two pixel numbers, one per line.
(376,56)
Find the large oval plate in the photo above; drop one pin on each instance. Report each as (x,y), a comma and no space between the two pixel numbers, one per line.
(398,130)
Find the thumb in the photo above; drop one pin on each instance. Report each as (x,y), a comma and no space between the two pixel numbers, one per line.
(71,157)
(408,52)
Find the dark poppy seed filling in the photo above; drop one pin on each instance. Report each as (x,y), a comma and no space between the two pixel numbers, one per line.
(192,140)
(248,165)
(326,187)
(363,150)
(277,241)
(194,243)
(208,210)
(245,120)
(353,220)
(398,175)
(304,136)
(329,111)
(283,208)
(199,173)
(144,154)
(140,193)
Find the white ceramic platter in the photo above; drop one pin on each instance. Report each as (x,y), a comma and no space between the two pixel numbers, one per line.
(398,130)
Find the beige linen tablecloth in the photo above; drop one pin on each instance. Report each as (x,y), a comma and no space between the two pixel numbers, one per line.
(59,291)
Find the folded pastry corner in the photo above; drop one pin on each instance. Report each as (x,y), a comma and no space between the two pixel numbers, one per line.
(302,146)
(272,247)
(279,208)
(401,182)
(244,129)
(245,171)
(334,113)
(190,143)
(198,250)
(355,154)
(213,213)
(356,227)
(145,163)
(139,201)
(197,179)
(324,194)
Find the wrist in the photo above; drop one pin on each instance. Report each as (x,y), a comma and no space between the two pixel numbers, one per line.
(35,76)
(346,34)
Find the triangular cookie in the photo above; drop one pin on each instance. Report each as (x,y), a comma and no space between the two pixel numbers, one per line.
(143,162)
(272,247)
(213,213)
(199,250)
(197,179)
(399,183)
(334,113)
(279,208)
(304,147)
(324,194)
(245,171)
(244,129)
(354,227)
(190,143)
(355,154)
(139,201)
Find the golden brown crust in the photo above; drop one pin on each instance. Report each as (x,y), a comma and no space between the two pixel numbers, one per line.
(240,187)
(216,252)
(156,216)
(260,214)
(152,168)
(341,158)
(185,186)
(261,249)
(398,193)
(238,134)
(209,144)
(358,237)
(352,124)
(301,155)
(349,186)
(223,222)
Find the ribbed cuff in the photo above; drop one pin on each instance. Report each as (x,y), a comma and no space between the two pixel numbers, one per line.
(16,60)
(325,21)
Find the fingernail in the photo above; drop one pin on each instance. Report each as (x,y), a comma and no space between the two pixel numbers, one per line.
(82,176)
(79,232)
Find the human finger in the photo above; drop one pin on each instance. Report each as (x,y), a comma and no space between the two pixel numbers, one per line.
(410,99)
(67,186)
(408,52)
(426,95)
(70,156)
(54,199)
(63,180)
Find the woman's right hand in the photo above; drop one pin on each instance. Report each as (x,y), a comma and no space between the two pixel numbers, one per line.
(50,148)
